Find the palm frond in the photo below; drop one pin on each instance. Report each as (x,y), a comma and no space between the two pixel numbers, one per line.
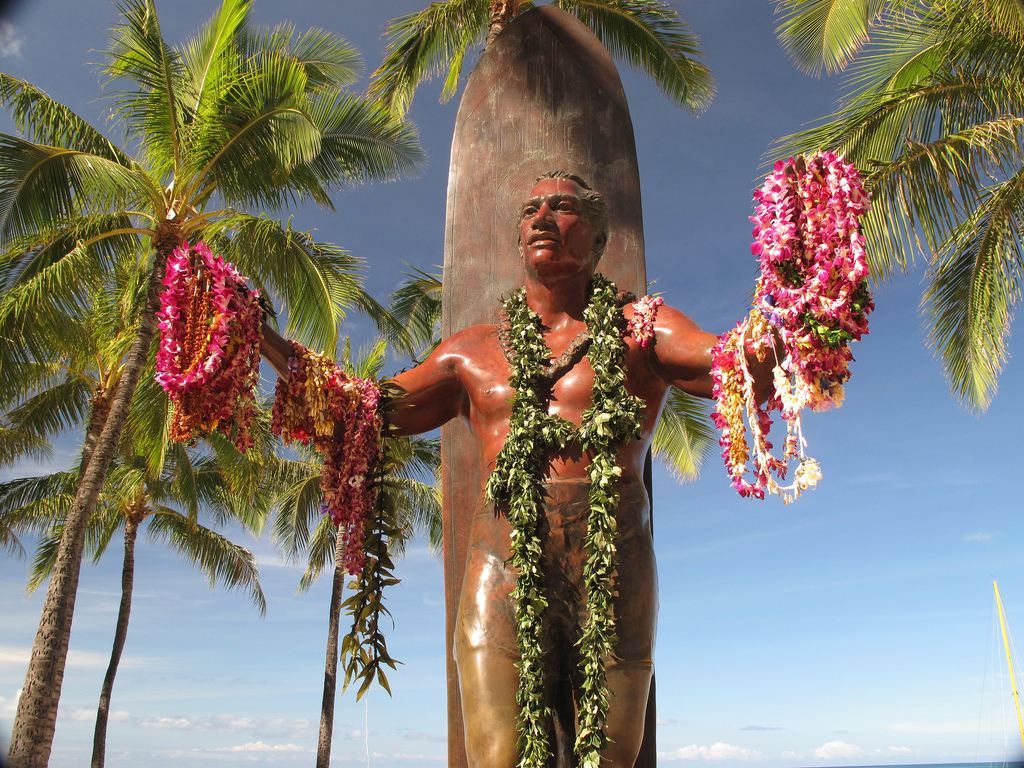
(327,60)
(145,433)
(685,436)
(319,282)
(920,159)
(45,121)
(151,113)
(319,552)
(54,409)
(361,141)
(1007,16)
(9,541)
(219,559)
(45,558)
(297,507)
(208,56)
(825,34)
(261,132)
(424,44)
(18,444)
(50,286)
(41,184)
(974,285)
(416,304)
(652,38)
(35,499)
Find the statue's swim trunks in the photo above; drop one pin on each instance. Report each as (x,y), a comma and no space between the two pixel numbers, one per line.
(486,620)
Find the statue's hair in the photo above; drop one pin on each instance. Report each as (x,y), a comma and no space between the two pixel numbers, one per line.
(593,207)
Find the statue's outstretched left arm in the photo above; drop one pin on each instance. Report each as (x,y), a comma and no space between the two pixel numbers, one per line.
(682,353)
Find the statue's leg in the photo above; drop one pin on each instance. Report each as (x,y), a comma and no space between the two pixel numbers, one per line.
(485,650)
(636,614)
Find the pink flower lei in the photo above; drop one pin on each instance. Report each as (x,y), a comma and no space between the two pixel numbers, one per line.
(813,296)
(641,324)
(318,404)
(210,334)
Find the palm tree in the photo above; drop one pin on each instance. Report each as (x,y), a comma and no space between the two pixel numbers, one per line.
(150,474)
(238,117)
(224,484)
(648,34)
(300,530)
(933,117)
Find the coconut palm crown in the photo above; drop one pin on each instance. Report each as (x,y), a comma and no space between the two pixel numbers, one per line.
(647,34)
(933,118)
(236,118)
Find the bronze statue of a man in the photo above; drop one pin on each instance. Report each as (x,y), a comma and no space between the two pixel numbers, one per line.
(563,231)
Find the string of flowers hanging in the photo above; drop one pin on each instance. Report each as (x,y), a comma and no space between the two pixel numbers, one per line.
(812,300)
(318,404)
(813,295)
(209,354)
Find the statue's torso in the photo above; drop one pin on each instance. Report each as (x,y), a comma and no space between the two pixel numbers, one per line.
(484,373)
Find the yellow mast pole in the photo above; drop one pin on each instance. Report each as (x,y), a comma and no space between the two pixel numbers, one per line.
(1009,661)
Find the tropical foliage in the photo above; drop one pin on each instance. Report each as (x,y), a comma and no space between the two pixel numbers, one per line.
(648,34)
(236,118)
(408,504)
(224,486)
(150,479)
(933,118)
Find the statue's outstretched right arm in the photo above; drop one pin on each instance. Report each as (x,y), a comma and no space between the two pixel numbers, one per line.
(433,392)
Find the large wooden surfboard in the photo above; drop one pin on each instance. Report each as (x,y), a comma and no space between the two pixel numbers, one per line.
(545,96)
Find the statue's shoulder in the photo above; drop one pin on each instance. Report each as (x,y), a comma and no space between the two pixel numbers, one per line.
(472,342)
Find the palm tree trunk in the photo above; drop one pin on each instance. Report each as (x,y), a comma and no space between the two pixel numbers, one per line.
(502,12)
(323,747)
(97,420)
(32,735)
(99,739)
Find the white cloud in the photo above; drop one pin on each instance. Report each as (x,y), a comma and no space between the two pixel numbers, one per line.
(228,723)
(14,656)
(790,755)
(717,751)
(978,536)
(900,750)
(836,749)
(667,721)
(420,736)
(19,656)
(275,560)
(77,715)
(259,746)
(10,43)
(402,756)
(355,734)
(9,707)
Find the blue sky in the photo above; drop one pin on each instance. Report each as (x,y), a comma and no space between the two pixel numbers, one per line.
(852,627)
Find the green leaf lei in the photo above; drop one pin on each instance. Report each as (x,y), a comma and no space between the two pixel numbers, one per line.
(364,650)
(613,419)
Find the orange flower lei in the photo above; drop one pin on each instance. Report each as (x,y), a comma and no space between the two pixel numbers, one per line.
(318,404)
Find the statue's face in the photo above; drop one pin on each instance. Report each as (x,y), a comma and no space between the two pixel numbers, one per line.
(556,239)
